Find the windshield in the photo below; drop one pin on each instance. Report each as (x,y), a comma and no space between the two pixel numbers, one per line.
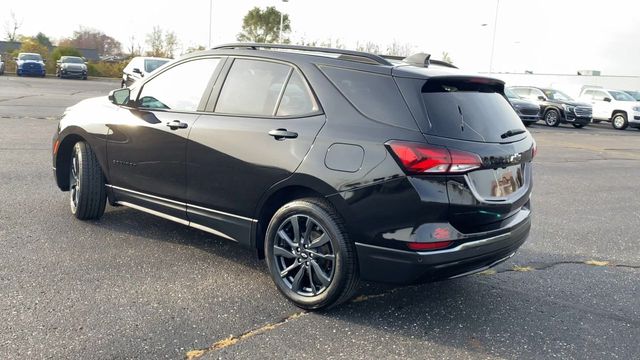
(634,94)
(73,60)
(152,64)
(33,57)
(621,96)
(510,94)
(557,95)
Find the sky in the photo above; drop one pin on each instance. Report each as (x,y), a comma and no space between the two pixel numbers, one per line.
(543,36)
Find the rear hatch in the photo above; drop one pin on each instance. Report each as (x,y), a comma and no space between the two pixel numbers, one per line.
(471,115)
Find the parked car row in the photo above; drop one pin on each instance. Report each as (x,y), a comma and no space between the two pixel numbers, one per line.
(621,108)
(32,64)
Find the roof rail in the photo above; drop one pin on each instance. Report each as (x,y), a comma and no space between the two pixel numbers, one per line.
(420,60)
(348,55)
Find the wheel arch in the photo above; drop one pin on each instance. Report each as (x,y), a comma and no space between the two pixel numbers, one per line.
(63,156)
(624,112)
(560,111)
(296,187)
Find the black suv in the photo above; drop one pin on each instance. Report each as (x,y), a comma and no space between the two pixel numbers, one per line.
(556,106)
(335,165)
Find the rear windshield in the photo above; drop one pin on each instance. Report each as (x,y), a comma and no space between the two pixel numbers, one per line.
(468,110)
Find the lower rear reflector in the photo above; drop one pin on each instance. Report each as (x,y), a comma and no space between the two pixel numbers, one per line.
(429,246)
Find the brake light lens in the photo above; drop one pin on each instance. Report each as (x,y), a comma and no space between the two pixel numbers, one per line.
(534,149)
(429,246)
(419,158)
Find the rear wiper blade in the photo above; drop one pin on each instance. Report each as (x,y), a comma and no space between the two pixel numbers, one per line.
(513,132)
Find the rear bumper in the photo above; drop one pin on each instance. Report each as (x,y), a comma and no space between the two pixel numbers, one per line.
(400,266)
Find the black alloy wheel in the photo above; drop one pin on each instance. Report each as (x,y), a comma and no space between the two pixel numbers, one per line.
(310,256)
(552,118)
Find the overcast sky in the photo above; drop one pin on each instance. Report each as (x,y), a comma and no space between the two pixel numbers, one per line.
(545,36)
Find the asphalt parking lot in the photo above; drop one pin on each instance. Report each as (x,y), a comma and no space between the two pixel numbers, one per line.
(135,286)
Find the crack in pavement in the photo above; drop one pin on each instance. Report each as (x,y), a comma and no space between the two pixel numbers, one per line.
(20,97)
(234,339)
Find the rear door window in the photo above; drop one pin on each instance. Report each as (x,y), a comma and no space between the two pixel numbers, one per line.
(253,87)
(468,110)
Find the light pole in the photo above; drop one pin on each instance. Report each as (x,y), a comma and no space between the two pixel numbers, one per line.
(281,21)
(493,41)
(210,21)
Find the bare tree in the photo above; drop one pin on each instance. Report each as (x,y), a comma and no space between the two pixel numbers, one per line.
(369,47)
(134,47)
(446,57)
(398,49)
(170,43)
(162,44)
(11,27)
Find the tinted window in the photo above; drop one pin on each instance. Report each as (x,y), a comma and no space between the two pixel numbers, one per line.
(297,98)
(252,88)
(179,88)
(557,95)
(588,95)
(621,96)
(522,92)
(73,60)
(374,95)
(152,64)
(31,57)
(469,111)
(599,96)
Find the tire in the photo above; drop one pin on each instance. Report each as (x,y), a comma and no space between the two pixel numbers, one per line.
(578,126)
(619,121)
(87,194)
(321,273)
(552,118)
(84,78)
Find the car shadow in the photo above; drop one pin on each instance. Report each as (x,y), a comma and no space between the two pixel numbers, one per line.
(509,314)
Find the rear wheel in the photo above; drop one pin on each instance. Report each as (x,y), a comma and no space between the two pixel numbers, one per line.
(619,121)
(578,126)
(552,118)
(310,256)
(87,193)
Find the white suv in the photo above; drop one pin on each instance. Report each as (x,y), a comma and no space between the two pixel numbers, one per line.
(613,105)
(139,67)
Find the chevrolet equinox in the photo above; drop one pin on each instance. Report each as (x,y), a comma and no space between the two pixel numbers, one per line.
(334,165)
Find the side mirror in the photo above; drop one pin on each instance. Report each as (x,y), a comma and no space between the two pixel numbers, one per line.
(137,71)
(542,98)
(44,60)
(607,99)
(120,96)
(15,59)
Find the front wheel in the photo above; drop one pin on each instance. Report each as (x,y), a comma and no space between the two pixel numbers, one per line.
(619,121)
(86,184)
(552,118)
(310,256)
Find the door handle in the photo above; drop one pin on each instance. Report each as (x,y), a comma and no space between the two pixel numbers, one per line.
(176,124)
(281,134)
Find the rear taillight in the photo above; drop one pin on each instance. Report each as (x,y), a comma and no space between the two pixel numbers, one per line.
(534,149)
(419,158)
